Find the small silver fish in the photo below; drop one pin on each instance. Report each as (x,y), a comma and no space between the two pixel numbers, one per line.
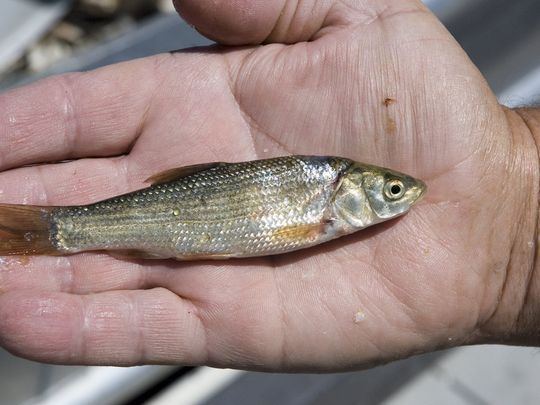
(219,210)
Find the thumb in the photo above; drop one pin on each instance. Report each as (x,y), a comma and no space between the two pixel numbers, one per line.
(232,22)
(248,22)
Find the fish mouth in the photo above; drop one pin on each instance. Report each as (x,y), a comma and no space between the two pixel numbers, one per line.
(421,189)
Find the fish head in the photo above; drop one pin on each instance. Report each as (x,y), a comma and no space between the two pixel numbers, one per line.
(367,195)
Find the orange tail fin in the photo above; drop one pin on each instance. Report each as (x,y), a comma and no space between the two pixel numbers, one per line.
(25,230)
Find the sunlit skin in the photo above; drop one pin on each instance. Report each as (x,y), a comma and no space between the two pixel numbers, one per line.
(376,81)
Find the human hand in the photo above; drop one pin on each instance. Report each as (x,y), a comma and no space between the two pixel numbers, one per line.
(376,81)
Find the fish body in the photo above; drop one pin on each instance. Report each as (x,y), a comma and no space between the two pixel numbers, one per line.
(220,210)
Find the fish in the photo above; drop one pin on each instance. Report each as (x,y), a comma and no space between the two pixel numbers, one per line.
(219,211)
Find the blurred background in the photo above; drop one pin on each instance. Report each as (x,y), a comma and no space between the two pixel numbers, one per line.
(39,38)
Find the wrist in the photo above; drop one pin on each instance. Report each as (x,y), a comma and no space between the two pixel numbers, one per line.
(516,317)
(527,326)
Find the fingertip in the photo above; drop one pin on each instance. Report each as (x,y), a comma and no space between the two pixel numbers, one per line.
(120,328)
(38,326)
(231,22)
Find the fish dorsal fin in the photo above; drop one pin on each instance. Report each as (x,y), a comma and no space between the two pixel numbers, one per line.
(180,172)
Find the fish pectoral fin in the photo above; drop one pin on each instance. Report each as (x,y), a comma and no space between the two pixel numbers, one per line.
(294,233)
(180,172)
(136,255)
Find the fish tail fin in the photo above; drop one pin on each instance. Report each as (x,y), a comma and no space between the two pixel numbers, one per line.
(25,230)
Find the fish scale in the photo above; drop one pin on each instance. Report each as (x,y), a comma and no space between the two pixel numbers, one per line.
(233,209)
(220,210)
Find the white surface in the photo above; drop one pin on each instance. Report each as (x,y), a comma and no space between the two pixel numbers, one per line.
(477,375)
(429,388)
(22,22)
(523,93)
(196,388)
(446,10)
(103,385)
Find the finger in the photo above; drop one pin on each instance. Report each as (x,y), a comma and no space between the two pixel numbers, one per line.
(245,22)
(72,183)
(99,113)
(77,182)
(151,326)
(79,274)
(121,328)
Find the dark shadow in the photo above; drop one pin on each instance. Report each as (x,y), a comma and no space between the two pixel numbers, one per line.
(213,49)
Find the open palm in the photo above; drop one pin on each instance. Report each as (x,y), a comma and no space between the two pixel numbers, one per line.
(376,81)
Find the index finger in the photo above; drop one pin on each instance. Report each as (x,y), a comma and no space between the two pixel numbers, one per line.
(98,113)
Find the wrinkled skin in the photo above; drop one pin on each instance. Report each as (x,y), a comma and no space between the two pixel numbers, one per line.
(379,81)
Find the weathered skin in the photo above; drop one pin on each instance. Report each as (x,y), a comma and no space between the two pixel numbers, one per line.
(237,210)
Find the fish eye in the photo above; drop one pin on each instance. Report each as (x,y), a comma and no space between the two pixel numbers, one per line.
(394,189)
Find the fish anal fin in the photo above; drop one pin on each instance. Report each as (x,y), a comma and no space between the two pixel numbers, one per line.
(180,172)
(206,257)
(129,254)
(133,254)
